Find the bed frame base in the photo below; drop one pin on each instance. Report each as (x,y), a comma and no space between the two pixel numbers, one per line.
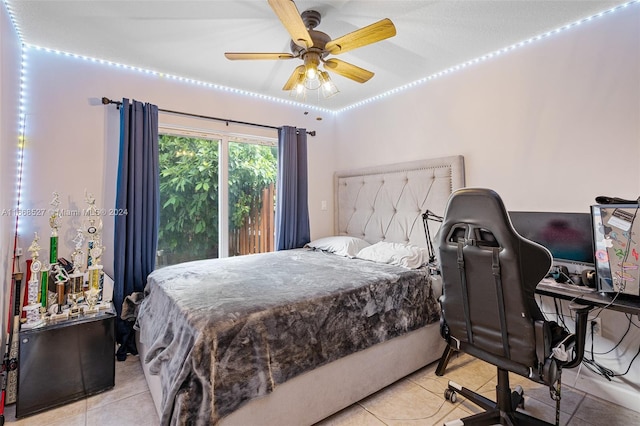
(315,395)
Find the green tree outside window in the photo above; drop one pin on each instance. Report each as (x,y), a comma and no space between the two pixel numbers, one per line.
(189,192)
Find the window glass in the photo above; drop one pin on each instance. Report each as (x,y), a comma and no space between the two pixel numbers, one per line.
(252,182)
(190,210)
(188,199)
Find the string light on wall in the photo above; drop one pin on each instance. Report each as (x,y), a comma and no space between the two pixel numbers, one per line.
(23,110)
(174,77)
(22,114)
(318,79)
(11,15)
(489,55)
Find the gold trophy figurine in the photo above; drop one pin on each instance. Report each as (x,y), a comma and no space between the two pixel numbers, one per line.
(60,277)
(91,296)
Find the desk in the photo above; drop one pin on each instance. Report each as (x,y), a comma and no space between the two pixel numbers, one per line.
(582,295)
(571,292)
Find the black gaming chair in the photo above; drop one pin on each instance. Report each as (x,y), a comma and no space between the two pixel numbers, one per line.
(489,276)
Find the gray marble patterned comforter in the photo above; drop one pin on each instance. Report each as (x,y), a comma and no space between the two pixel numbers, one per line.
(223,331)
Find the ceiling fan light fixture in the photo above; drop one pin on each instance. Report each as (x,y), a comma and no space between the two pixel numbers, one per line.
(328,87)
(300,89)
(311,62)
(312,72)
(312,83)
(313,46)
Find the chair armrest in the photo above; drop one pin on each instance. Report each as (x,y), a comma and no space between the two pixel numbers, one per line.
(581,314)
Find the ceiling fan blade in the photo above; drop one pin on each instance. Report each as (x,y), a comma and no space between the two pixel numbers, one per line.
(373,33)
(290,18)
(293,80)
(348,70)
(241,56)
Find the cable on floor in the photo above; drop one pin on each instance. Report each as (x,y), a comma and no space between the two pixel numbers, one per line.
(402,418)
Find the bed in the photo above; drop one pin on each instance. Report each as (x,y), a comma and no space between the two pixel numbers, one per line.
(292,337)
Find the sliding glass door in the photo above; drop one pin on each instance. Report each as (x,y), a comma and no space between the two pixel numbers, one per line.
(216,197)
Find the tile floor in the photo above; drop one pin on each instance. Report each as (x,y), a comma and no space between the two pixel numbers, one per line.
(128,403)
(415,400)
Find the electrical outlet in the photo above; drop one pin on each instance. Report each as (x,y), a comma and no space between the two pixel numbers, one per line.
(596,326)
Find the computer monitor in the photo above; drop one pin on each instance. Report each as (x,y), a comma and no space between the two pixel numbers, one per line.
(568,236)
(616,236)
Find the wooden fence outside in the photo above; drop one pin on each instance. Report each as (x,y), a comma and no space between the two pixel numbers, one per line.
(257,235)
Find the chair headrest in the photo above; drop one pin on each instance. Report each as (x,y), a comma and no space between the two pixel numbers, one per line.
(482,208)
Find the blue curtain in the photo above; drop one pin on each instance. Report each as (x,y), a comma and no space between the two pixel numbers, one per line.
(292,209)
(138,193)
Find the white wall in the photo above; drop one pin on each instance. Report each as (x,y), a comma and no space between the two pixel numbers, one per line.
(549,126)
(73,139)
(9,96)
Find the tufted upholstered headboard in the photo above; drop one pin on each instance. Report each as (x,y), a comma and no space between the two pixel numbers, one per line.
(386,203)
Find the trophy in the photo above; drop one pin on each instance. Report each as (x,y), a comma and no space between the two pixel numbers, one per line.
(54,223)
(76,278)
(93,228)
(91,297)
(60,277)
(32,310)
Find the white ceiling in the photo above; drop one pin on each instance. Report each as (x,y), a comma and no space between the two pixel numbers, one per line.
(189,38)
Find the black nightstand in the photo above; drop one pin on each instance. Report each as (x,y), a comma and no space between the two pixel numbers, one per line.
(64,361)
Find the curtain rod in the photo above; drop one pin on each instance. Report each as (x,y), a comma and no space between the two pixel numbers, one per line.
(107,101)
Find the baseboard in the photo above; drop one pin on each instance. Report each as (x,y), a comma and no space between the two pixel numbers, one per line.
(618,392)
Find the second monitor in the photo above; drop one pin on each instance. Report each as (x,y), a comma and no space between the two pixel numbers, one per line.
(568,236)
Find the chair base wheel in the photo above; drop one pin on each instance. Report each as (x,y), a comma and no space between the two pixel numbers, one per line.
(450,395)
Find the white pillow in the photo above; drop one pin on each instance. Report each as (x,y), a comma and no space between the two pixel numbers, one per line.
(400,254)
(341,245)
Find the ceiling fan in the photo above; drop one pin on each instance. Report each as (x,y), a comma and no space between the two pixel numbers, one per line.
(314,46)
